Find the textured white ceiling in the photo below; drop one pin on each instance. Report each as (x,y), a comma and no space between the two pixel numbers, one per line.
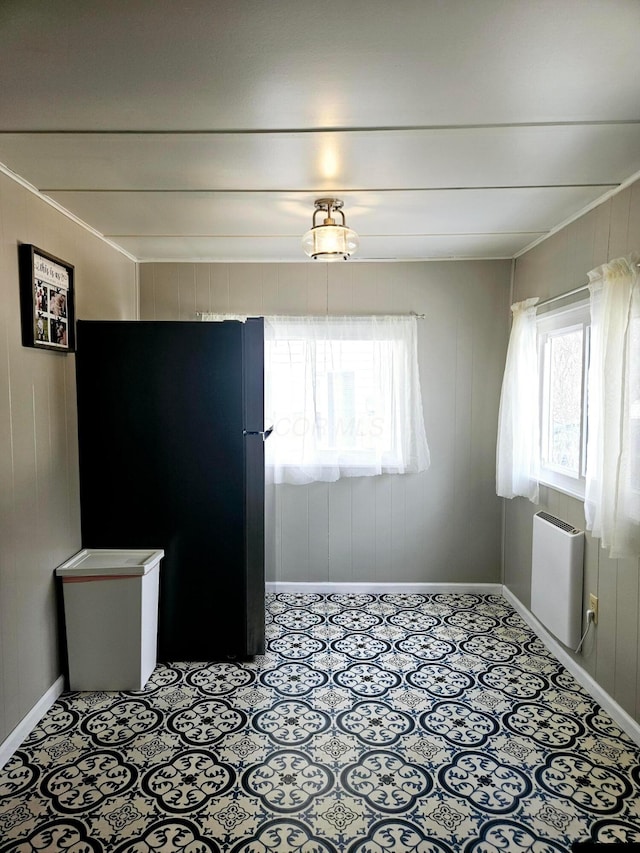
(205,129)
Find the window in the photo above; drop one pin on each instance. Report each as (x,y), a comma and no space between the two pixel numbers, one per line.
(563,349)
(562,367)
(343,396)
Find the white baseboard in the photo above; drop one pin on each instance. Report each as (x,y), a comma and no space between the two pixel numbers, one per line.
(617,712)
(28,723)
(382,588)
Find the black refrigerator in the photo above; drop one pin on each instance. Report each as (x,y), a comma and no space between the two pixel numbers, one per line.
(171,453)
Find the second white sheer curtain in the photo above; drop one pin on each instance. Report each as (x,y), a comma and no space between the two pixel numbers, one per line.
(612,503)
(518,450)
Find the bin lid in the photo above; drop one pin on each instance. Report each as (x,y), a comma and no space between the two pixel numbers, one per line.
(109,561)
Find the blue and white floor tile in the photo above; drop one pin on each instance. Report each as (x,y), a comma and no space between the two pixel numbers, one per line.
(373,724)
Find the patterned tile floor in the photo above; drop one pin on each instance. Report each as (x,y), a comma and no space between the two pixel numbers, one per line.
(374,724)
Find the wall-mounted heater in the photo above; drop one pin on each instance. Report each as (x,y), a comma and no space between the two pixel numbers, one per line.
(556,577)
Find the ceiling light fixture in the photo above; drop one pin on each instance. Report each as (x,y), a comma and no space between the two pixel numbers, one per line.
(330,241)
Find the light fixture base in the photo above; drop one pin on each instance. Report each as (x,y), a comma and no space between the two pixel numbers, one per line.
(326,203)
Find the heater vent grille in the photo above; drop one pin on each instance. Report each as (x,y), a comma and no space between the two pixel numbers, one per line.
(558,522)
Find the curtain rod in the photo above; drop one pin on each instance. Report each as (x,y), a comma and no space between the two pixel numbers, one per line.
(567,294)
(411,314)
(562,296)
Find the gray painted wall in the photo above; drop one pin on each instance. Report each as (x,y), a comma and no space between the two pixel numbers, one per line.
(443,525)
(39,499)
(611,654)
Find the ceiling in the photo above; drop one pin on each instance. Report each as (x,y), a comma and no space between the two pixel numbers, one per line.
(189,130)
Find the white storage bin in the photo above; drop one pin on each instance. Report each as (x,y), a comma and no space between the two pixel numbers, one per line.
(111,614)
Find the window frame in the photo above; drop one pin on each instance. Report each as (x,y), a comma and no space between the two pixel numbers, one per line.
(549,324)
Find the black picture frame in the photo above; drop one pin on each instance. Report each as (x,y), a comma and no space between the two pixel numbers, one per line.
(46,300)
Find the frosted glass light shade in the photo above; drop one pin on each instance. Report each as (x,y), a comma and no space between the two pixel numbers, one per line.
(330,242)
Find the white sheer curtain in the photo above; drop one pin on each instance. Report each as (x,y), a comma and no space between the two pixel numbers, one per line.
(343,396)
(612,502)
(518,451)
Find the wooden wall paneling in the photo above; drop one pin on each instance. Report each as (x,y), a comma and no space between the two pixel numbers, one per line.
(363,516)
(385,287)
(626,634)
(277,534)
(245,289)
(411,283)
(167,292)
(607,612)
(556,251)
(16,229)
(316,276)
(542,271)
(575,516)
(399,567)
(340,531)
(26,521)
(483,546)
(589,653)
(437,347)
(519,514)
(339,289)
(364,296)
(147,291)
(600,252)
(105,281)
(187,291)
(488,356)
(219,288)
(415,556)
(43,530)
(555,503)
(203,288)
(12,698)
(36,574)
(60,461)
(580,243)
(72,539)
(419,284)
(292,292)
(596,254)
(463,379)
(382,528)
(526,279)
(317,495)
(436,529)
(294,526)
(619,227)
(270,289)
(440,527)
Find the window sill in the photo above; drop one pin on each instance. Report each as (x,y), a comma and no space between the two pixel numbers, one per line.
(577,493)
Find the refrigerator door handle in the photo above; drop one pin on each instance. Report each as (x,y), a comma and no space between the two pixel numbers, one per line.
(264,433)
